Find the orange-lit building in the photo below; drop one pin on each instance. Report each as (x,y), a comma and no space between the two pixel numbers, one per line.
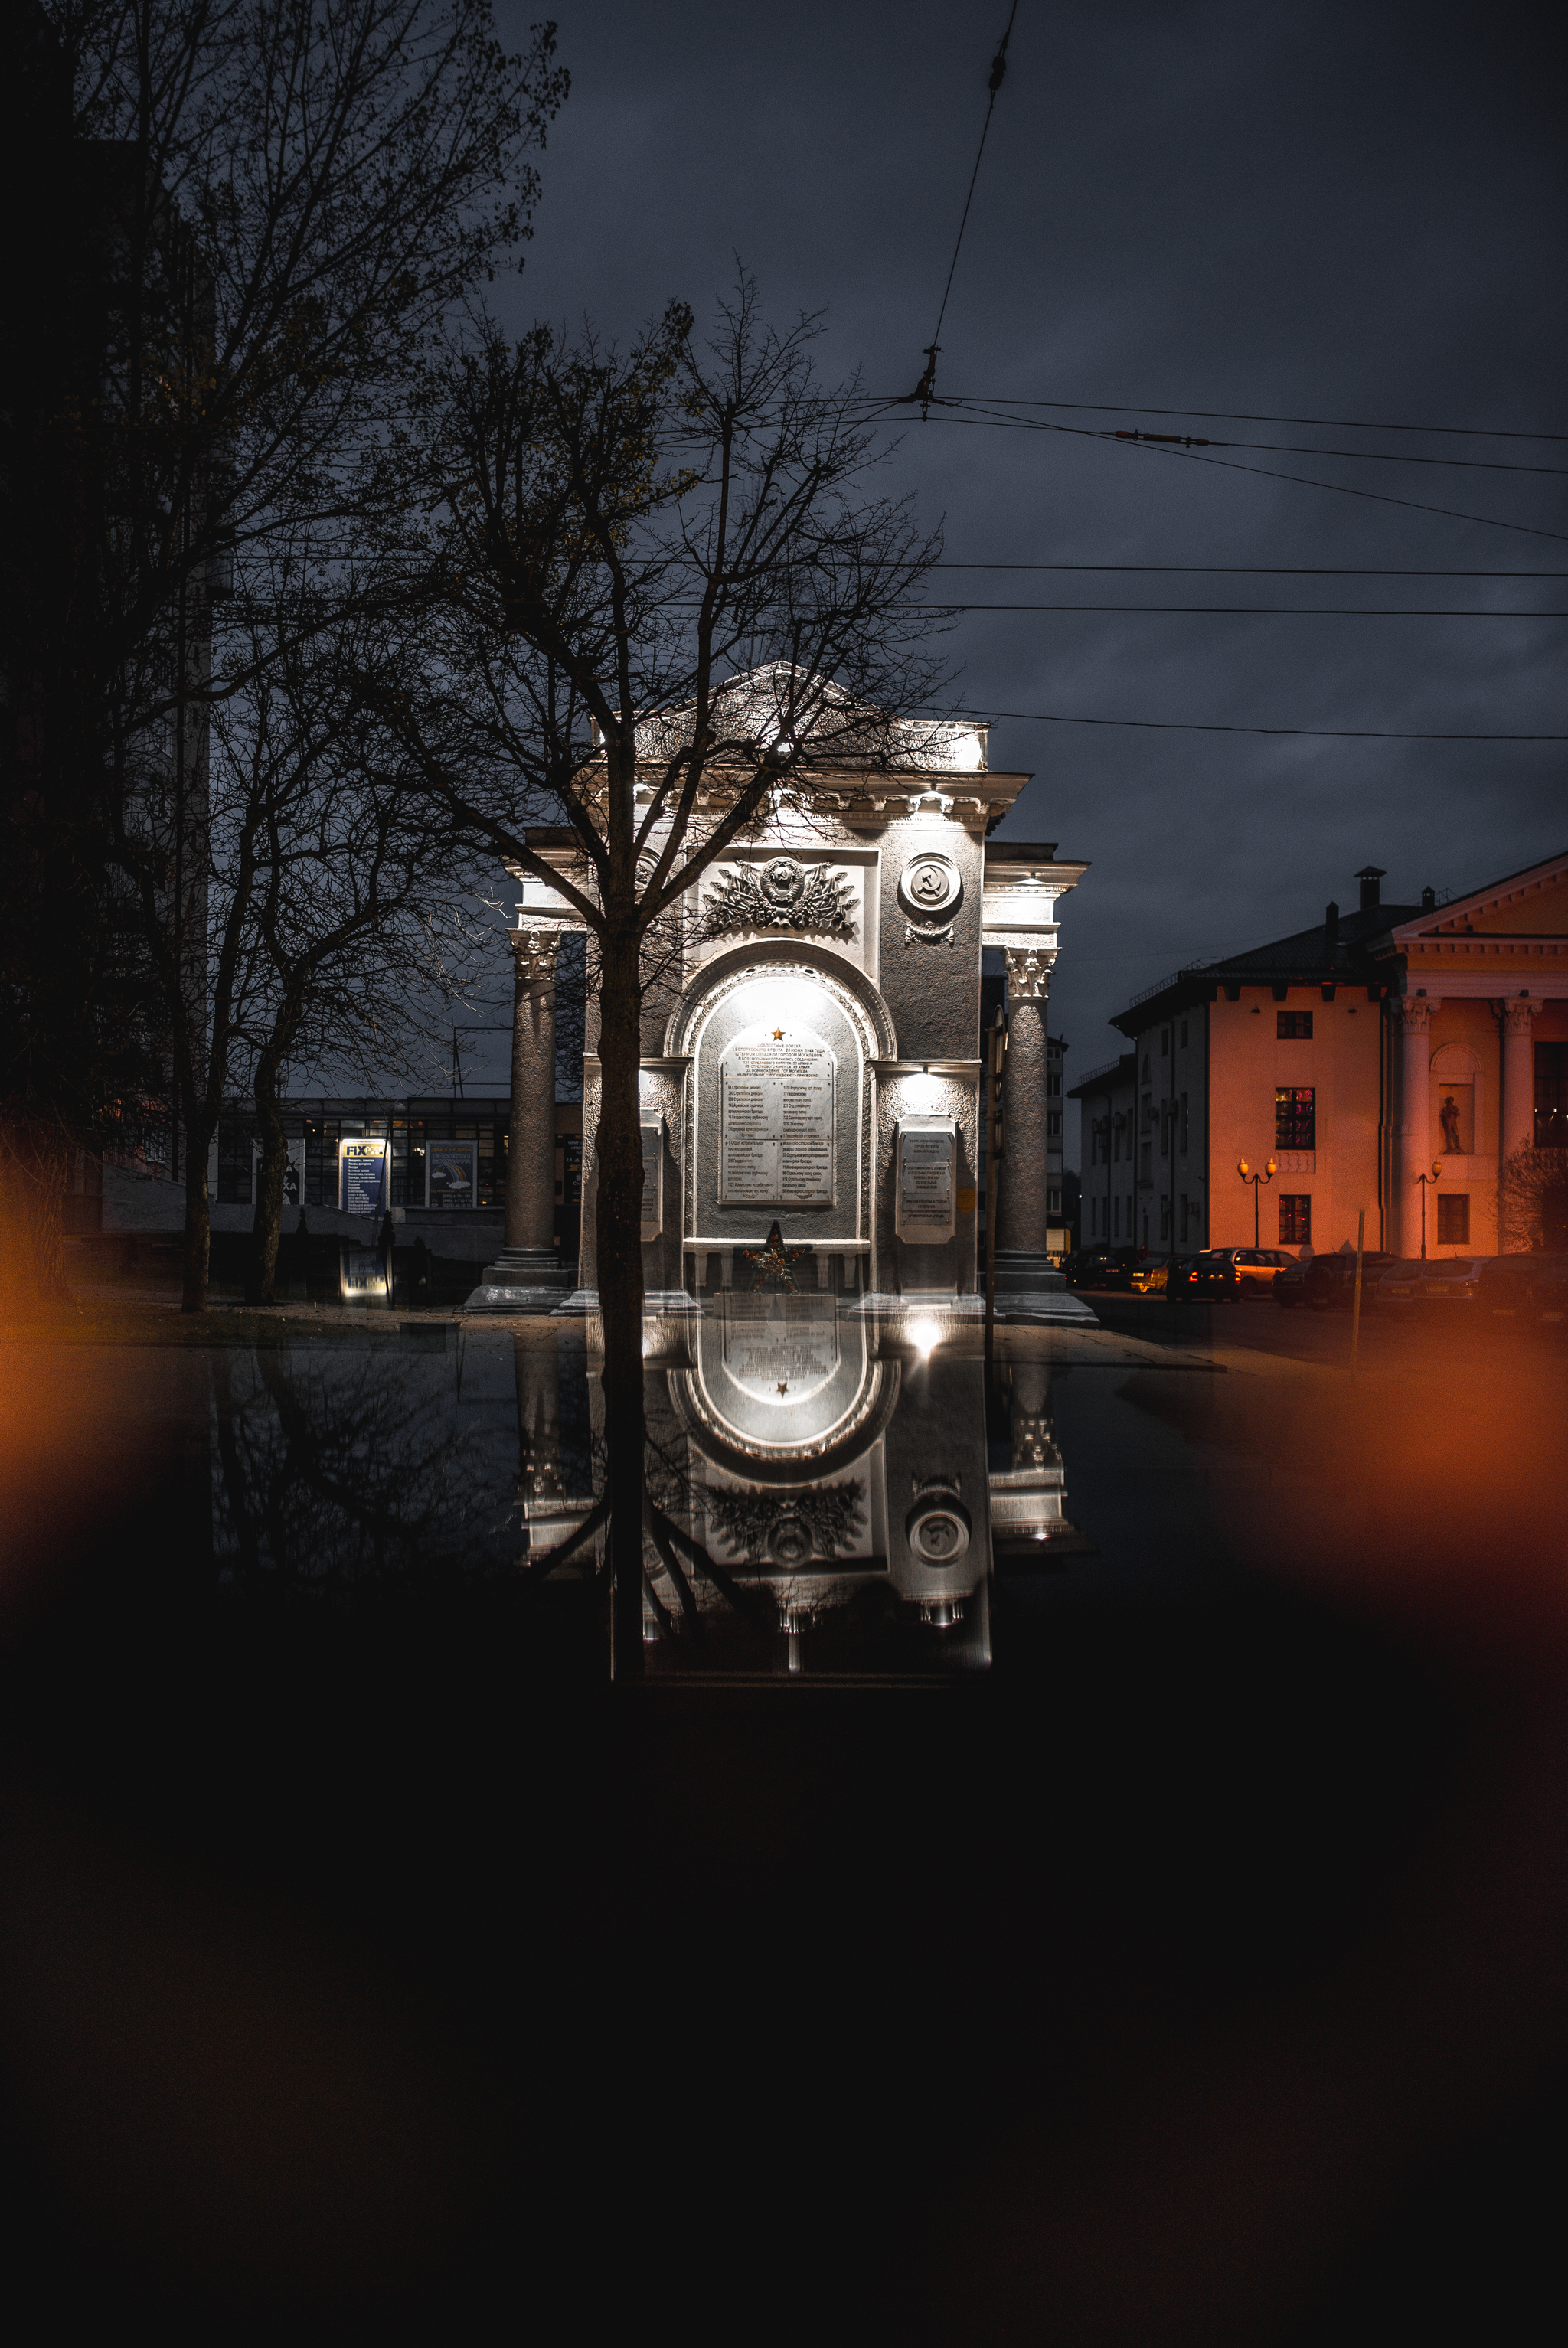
(1357,1055)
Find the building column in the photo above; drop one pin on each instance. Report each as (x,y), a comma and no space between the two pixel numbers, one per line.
(1518,1073)
(1415,1153)
(529,1249)
(1023,1221)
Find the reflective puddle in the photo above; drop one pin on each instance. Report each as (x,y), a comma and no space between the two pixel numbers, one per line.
(829,1490)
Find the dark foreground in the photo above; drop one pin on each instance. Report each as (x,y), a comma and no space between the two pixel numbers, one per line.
(1194,1975)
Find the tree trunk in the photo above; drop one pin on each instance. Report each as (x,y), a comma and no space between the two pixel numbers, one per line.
(36,1161)
(619,1152)
(267,1228)
(198,1223)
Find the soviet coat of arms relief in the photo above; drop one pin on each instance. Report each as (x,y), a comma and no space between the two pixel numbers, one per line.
(780,894)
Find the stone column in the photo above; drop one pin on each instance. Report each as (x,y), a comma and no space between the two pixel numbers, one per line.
(528,1259)
(1023,1224)
(1414,1155)
(1518,1073)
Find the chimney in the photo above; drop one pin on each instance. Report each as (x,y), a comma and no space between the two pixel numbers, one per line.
(1369,876)
(1330,926)
(1428,900)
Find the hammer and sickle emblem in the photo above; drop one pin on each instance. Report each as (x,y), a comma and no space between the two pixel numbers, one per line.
(929,884)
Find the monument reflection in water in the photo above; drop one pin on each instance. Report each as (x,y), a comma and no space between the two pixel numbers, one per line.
(823,1493)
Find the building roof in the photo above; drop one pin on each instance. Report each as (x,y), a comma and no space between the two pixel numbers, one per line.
(1355,956)
(1100,1080)
(1500,904)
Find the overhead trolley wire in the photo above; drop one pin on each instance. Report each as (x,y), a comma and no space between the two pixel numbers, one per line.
(1231,416)
(982,412)
(1262,472)
(1193,725)
(1257,610)
(998,72)
(1247,570)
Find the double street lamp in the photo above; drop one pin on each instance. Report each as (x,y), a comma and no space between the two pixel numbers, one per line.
(1246,1171)
(1423,1180)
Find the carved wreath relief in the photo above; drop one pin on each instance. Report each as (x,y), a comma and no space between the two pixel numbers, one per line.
(781,895)
(788,1530)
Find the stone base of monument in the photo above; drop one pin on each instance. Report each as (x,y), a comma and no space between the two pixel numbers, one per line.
(492,1298)
(530,1268)
(1014,1306)
(1057,1307)
(942,1303)
(1038,1273)
(662,1301)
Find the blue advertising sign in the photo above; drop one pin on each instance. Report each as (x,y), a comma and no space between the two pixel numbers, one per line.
(362,1171)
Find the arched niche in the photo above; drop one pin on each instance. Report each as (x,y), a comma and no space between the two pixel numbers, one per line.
(733,1402)
(803,998)
(694,1005)
(1458,1121)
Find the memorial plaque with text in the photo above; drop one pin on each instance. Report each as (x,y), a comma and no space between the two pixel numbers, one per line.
(783,1349)
(775,1120)
(926,1161)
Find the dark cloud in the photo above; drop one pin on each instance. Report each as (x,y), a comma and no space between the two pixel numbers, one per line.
(1333,212)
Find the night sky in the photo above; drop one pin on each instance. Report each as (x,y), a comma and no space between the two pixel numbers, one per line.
(1350,213)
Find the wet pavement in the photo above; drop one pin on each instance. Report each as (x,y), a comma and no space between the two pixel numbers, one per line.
(1086,1864)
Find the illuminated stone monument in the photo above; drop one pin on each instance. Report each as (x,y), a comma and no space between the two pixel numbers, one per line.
(811,1040)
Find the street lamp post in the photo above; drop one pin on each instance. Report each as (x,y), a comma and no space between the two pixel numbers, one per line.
(1423,1180)
(1246,1171)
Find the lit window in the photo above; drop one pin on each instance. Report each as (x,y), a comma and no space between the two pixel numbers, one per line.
(1295,1117)
(1294,1221)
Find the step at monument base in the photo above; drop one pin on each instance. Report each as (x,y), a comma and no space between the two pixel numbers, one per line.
(1037,1273)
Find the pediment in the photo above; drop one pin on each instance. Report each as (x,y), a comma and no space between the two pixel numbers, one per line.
(1532,904)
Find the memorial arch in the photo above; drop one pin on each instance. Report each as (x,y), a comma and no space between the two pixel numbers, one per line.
(810,1070)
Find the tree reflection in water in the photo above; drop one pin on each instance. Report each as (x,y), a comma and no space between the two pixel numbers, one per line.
(338,1470)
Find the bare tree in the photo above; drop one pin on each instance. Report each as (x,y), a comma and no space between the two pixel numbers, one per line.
(663,595)
(1533,1199)
(338,934)
(267,211)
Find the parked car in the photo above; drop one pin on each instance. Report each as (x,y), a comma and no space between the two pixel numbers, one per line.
(1324,1280)
(1443,1281)
(1103,1266)
(1524,1287)
(1236,1272)
(1178,1278)
(1151,1277)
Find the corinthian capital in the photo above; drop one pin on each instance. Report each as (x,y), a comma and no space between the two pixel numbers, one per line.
(536,945)
(1415,1013)
(1029,973)
(1519,1015)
